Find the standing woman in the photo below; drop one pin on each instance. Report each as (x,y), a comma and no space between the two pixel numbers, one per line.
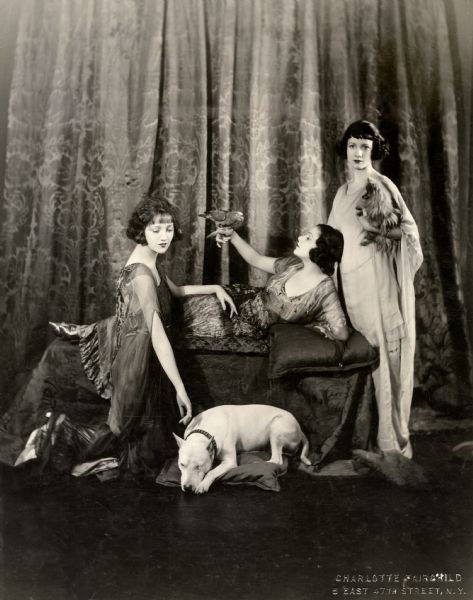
(380,259)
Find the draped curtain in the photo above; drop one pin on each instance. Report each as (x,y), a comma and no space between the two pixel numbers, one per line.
(230,104)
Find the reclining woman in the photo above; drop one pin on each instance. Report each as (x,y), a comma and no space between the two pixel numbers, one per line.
(129,358)
(300,290)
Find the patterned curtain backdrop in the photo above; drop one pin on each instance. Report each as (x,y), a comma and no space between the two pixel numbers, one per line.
(230,104)
(82,128)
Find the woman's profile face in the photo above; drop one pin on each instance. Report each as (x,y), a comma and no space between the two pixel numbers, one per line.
(159,233)
(306,241)
(359,153)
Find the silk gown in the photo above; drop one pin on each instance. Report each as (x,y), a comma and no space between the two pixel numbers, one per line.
(318,308)
(378,289)
(142,404)
(117,355)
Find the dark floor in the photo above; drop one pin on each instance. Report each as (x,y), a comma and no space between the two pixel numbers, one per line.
(82,539)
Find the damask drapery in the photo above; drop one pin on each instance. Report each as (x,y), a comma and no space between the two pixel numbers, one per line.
(226,103)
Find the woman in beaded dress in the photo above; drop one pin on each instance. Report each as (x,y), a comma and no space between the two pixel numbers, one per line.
(300,289)
(129,359)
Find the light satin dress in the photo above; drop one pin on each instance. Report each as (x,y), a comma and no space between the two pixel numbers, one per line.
(379,295)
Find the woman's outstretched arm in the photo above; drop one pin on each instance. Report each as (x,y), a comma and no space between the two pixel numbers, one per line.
(247,252)
(179,291)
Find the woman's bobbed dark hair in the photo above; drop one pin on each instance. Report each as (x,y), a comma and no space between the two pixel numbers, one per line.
(364,130)
(144,213)
(328,249)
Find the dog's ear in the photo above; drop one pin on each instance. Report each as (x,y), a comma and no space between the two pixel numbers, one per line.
(179,440)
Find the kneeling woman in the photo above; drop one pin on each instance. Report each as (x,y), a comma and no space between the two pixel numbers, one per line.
(129,357)
(301,288)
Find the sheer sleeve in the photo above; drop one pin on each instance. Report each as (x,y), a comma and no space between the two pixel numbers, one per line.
(329,318)
(410,234)
(281,264)
(145,297)
(410,241)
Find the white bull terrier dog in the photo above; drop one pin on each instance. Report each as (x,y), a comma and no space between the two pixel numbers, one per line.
(217,434)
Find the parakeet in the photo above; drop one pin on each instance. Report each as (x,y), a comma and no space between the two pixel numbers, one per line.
(223,218)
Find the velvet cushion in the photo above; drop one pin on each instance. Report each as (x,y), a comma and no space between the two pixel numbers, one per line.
(298,350)
(252,470)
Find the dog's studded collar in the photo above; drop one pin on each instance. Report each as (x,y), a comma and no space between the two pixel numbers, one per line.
(209,437)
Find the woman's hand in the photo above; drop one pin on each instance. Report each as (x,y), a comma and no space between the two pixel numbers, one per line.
(184,404)
(223,298)
(224,235)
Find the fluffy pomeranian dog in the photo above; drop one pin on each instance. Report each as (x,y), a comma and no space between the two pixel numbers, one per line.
(381,210)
